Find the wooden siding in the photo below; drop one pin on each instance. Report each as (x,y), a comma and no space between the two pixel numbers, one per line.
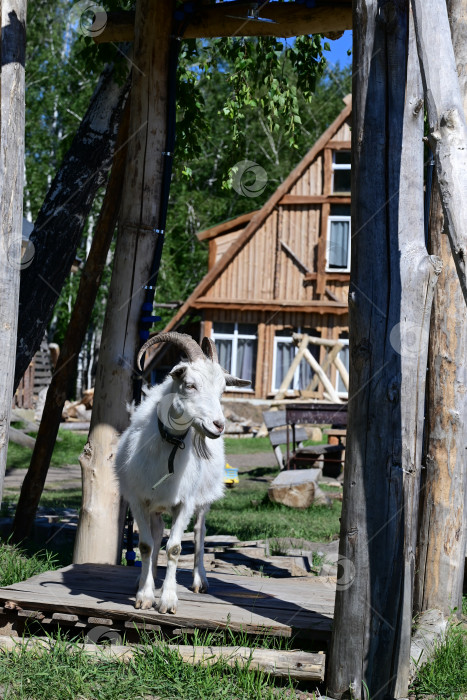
(344,133)
(311,182)
(223,243)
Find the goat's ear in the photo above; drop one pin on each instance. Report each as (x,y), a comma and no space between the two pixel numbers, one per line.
(178,372)
(235,381)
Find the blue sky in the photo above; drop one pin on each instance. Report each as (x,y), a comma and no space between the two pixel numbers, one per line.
(338,53)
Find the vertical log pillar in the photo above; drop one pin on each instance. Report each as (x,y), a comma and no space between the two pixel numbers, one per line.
(440,565)
(391,291)
(12,108)
(98,531)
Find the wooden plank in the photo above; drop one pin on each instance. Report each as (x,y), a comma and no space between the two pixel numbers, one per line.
(313,306)
(279,437)
(256,605)
(274,419)
(317,414)
(340,145)
(225,227)
(295,664)
(316,367)
(291,371)
(218,20)
(294,199)
(329,277)
(301,265)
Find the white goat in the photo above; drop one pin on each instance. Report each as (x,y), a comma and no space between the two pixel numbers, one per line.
(177,428)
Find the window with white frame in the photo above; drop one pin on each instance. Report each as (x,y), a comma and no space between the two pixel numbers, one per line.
(284,353)
(338,239)
(236,345)
(344,358)
(340,172)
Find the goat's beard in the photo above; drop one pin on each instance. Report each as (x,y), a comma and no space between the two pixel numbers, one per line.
(199,444)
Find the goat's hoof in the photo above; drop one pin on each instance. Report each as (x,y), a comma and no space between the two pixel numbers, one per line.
(200,587)
(144,602)
(168,603)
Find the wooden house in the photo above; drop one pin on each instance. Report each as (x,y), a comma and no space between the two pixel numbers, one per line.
(281,269)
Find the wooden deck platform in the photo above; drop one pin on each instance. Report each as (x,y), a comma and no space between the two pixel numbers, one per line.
(87,595)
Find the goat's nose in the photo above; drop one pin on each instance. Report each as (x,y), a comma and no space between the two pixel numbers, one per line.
(219,425)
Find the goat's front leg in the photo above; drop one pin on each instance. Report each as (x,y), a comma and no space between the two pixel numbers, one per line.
(157,530)
(145,598)
(200,582)
(180,519)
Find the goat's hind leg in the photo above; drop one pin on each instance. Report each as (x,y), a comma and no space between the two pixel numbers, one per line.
(145,598)
(200,582)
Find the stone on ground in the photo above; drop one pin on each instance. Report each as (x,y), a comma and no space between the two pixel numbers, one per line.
(295,488)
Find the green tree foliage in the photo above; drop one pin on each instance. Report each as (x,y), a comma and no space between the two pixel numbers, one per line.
(261,100)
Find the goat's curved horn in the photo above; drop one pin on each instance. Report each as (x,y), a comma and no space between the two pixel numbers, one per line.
(183,341)
(209,349)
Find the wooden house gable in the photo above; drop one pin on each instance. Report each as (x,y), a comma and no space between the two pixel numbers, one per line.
(282,258)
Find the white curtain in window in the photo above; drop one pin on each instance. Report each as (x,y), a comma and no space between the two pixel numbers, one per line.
(246,358)
(339,244)
(224,350)
(344,357)
(285,352)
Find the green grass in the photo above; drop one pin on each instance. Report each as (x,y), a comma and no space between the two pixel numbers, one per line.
(17,565)
(65,498)
(67,450)
(240,446)
(445,676)
(67,672)
(247,512)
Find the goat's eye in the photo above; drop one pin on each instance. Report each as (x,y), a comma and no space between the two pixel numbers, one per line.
(190,386)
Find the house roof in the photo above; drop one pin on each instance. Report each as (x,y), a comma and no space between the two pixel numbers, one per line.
(226,226)
(254,219)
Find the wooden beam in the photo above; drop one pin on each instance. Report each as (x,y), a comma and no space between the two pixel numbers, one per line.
(291,371)
(299,665)
(301,265)
(225,227)
(309,307)
(314,199)
(289,19)
(325,381)
(340,145)
(329,277)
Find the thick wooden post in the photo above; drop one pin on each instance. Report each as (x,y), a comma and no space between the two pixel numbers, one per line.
(391,291)
(447,122)
(98,535)
(12,108)
(440,565)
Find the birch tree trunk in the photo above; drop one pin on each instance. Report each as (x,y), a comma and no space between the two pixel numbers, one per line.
(391,291)
(440,562)
(33,484)
(12,110)
(448,128)
(59,225)
(98,535)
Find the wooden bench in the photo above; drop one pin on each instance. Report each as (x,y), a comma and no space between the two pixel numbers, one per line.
(322,413)
(281,432)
